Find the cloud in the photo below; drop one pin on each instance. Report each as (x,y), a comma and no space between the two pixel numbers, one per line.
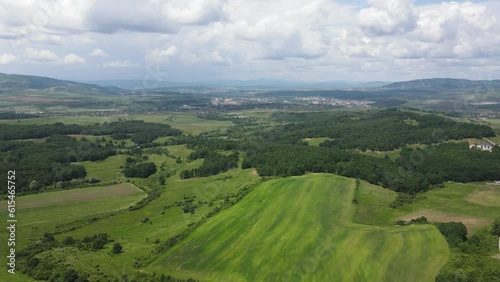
(98,53)
(267,30)
(73,59)
(120,64)
(445,31)
(111,16)
(387,17)
(158,56)
(40,55)
(304,39)
(7,58)
(197,12)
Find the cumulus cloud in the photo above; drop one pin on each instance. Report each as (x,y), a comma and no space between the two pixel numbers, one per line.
(111,16)
(159,56)
(268,30)
(387,17)
(21,19)
(7,58)
(120,64)
(98,53)
(42,55)
(299,38)
(73,59)
(448,30)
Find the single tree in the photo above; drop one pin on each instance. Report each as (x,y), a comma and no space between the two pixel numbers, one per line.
(117,248)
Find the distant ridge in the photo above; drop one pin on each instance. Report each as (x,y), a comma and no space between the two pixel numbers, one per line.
(257,83)
(16,82)
(446,84)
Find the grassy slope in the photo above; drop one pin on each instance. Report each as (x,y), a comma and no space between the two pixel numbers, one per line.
(40,213)
(300,228)
(35,221)
(138,238)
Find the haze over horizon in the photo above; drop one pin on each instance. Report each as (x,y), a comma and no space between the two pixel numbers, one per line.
(204,40)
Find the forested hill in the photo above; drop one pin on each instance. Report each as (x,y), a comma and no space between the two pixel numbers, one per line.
(15,83)
(446,84)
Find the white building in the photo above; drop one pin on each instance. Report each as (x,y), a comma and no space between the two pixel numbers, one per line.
(482,147)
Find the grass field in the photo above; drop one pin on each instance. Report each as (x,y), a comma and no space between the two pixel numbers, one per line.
(106,170)
(476,205)
(301,228)
(74,196)
(454,199)
(489,195)
(316,141)
(42,212)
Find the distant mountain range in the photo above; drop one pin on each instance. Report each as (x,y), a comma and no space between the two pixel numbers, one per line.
(256,83)
(12,83)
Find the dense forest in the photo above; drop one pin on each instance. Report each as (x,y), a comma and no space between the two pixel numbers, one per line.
(139,131)
(384,130)
(281,151)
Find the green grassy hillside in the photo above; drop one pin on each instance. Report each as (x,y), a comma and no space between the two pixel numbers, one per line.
(300,228)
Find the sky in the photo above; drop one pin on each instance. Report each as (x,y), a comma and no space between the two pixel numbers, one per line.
(203,40)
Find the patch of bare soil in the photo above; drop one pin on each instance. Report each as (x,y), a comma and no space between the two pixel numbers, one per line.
(472,223)
(489,196)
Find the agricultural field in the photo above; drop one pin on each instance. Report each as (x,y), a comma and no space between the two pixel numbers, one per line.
(309,236)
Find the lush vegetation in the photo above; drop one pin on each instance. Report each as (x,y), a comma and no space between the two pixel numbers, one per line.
(385,130)
(14,132)
(454,232)
(142,132)
(452,162)
(281,152)
(218,226)
(48,164)
(472,260)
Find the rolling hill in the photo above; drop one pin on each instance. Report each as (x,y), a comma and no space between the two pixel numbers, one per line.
(301,229)
(14,83)
(443,84)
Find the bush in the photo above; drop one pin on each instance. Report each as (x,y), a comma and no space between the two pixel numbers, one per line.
(117,248)
(454,232)
(401,222)
(69,241)
(420,220)
(143,170)
(495,227)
